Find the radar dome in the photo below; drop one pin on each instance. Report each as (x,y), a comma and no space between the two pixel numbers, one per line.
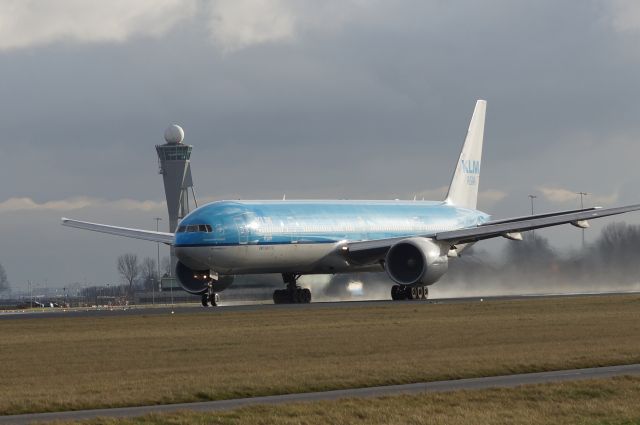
(174,134)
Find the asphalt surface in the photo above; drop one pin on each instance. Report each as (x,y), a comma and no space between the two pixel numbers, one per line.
(506,381)
(49,313)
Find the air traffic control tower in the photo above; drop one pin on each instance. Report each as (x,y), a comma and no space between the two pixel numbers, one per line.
(175,166)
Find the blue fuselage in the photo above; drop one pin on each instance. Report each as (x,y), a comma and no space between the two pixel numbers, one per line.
(205,232)
(226,223)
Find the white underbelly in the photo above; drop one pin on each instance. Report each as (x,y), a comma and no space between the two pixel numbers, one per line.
(277,258)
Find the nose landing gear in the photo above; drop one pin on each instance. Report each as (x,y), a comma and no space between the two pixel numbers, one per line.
(293,294)
(210,298)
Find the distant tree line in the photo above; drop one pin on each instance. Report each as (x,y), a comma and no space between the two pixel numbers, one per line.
(611,260)
(143,274)
(91,293)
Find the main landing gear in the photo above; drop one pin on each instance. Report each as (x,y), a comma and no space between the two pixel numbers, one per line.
(293,294)
(402,292)
(210,298)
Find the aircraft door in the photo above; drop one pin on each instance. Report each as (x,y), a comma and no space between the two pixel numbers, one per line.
(243,230)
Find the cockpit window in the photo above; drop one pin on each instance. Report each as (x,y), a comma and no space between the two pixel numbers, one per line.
(193,228)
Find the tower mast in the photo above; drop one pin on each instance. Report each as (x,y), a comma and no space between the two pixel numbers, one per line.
(175,166)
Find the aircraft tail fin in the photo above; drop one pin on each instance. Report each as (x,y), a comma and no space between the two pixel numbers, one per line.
(463,191)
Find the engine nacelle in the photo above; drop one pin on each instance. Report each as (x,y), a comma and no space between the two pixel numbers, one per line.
(416,261)
(197,281)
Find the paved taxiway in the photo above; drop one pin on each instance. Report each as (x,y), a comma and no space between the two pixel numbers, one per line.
(49,313)
(505,381)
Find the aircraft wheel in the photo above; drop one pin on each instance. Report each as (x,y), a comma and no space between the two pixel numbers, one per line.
(412,292)
(279,296)
(307,295)
(404,293)
(426,292)
(205,300)
(419,293)
(299,296)
(395,292)
(296,296)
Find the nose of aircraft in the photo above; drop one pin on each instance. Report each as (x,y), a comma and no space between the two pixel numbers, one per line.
(192,256)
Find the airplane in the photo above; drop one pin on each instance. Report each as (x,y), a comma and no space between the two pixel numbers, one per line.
(412,241)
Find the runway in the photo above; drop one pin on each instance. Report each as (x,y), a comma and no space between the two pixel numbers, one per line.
(505,381)
(50,313)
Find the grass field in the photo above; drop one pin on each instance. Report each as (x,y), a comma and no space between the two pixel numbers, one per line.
(63,363)
(598,402)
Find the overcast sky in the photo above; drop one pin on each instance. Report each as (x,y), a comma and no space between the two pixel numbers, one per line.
(331,99)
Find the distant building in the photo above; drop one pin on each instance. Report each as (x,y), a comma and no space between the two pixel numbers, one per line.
(175,166)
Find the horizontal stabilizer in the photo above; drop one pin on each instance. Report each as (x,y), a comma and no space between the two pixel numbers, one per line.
(147,235)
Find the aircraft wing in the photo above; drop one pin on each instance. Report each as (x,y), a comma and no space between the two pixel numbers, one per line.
(543,215)
(370,251)
(147,235)
(502,227)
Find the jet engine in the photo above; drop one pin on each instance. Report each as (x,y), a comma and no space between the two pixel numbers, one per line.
(416,262)
(197,281)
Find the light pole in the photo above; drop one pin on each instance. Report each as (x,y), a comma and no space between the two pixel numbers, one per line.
(30,294)
(532,197)
(582,207)
(153,289)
